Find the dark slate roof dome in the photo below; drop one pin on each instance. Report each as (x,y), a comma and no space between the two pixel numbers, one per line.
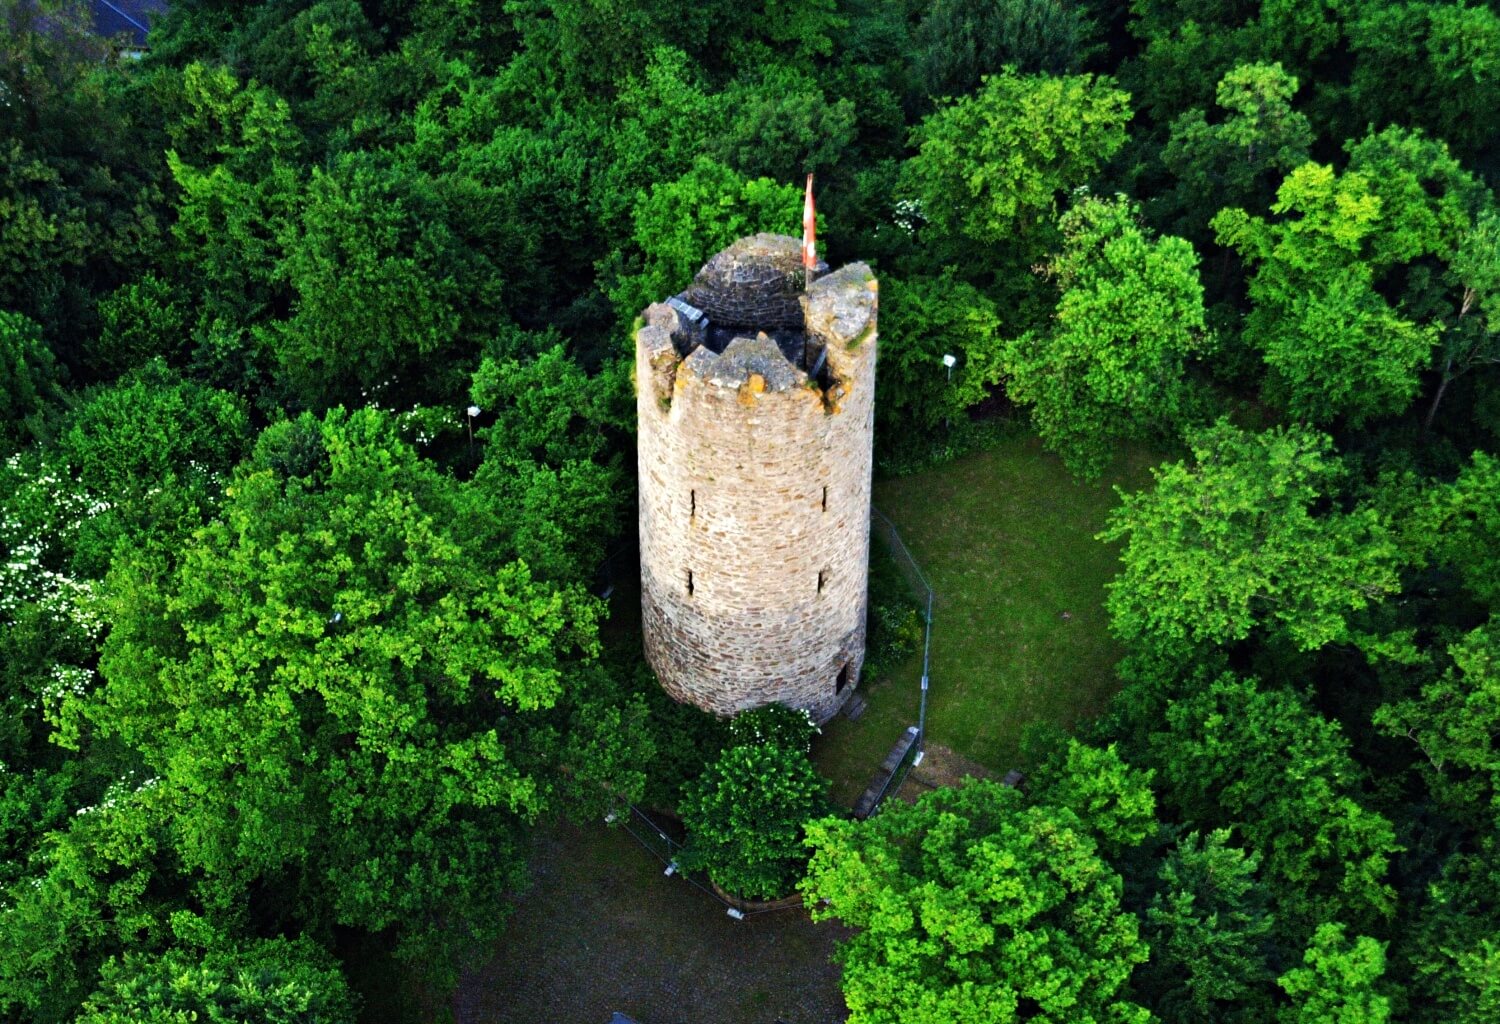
(753,283)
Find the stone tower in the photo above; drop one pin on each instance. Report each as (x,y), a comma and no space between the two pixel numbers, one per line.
(755,402)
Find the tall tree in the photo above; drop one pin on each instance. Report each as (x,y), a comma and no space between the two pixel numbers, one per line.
(337,693)
(1110,364)
(1238,540)
(973,907)
(991,168)
(1237,159)
(1209,927)
(1280,773)
(1338,983)
(1335,347)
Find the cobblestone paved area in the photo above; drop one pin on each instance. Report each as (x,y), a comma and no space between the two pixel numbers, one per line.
(603,930)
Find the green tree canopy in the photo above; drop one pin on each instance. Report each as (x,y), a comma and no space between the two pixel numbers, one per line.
(1237,540)
(975,908)
(1338,983)
(1281,774)
(1110,364)
(1334,346)
(746,816)
(681,223)
(922,320)
(335,690)
(273,981)
(1208,926)
(958,42)
(1237,160)
(991,167)
(28,380)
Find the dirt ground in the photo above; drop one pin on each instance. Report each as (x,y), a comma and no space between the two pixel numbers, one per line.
(941,766)
(603,930)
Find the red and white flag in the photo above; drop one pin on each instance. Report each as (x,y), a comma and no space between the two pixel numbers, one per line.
(809,231)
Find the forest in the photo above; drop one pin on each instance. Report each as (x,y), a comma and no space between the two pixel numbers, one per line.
(317,418)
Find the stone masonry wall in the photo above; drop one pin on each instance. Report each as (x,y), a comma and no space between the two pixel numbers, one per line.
(755,506)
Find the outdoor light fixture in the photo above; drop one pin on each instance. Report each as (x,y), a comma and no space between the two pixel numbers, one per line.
(949,360)
(473,411)
(738,915)
(671,869)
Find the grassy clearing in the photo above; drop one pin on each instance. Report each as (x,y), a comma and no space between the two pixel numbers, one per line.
(1019,632)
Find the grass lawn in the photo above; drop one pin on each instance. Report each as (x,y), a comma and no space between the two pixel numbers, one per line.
(1005,536)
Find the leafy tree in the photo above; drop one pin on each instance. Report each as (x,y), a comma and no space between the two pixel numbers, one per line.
(273,981)
(777,122)
(93,890)
(922,320)
(973,907)
(149,454)
(1281,774)
(28,380)
(1432,65)
(1428,200)
(1111,798)
(960,41)
(49,620)
(124,438)
(377,278)
(1338,985)
(140,321)
(1466,530)
(1238,540)
(80,199)
(990,167)
(1334,346)
(1452,943)
(1470,340)
(1209,929)
(746,814)
(681,223)
(234,159)
(548,494)
(518,201)
(774,725)
(1110,364)
(1454,722)
(1236,161)
(336,691)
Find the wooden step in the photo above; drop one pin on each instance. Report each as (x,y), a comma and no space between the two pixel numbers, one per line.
(870,799)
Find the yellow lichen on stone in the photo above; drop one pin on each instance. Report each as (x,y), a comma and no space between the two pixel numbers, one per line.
(754,385)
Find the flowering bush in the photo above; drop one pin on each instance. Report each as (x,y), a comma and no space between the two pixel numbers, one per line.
(745,817)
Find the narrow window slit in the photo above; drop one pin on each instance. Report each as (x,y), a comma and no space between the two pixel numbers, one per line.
(825,499)
(693,503)
(690,582)
(821,575)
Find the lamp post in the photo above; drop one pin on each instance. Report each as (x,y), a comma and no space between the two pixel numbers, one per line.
(949,360)
(473,411)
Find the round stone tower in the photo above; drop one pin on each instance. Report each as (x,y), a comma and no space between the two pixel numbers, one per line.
(755,402)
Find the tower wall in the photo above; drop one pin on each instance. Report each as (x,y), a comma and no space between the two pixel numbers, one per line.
(755,480)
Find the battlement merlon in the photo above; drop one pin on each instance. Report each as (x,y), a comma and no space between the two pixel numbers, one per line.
(839,312)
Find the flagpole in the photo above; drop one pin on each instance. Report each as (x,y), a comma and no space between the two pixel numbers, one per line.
(809,235)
